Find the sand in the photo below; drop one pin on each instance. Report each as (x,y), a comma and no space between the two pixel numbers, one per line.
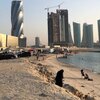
(25,79)
(20,80)
(72,76)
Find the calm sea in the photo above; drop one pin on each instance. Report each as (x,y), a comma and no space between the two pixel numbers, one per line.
(87,60)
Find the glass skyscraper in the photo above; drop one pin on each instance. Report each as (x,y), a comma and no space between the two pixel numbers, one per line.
(84,39)
(70,36)
(77,32)
(87,40)
(17,18)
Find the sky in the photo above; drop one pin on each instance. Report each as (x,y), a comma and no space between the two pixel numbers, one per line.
(35,16)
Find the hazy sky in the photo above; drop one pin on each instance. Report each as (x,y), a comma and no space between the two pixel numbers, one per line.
(35,17)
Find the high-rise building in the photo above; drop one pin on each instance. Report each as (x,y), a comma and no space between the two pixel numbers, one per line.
(90,35)
(17,18)
(63,25)
(37,41)
(22,42)
(50,29)
(58,28)
(77,32)
(70,36)
(98,29)
(84,39)
(87,40)
(53,27)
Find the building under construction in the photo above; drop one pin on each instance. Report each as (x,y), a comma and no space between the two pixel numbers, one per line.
(58,30)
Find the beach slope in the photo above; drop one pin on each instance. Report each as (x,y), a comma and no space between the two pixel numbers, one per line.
(19,80)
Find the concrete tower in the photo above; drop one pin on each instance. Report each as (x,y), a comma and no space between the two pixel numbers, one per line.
(63,26)
(37,41)
(58,28)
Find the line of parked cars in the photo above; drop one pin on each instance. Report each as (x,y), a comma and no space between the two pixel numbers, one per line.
(15,54)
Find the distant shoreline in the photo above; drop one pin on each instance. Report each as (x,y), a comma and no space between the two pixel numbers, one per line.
(85,49)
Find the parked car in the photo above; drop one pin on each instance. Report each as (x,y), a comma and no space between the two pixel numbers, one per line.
(24,54)
(7,55)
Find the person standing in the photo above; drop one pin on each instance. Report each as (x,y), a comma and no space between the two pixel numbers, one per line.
(37,55)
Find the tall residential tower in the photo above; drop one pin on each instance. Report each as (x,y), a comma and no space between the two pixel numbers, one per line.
(77,33)
(87,40)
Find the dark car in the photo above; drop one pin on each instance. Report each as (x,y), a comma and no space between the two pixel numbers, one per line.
(24,54)
(7,55)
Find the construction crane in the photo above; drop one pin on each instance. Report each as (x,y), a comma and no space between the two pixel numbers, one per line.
(54,7)
(60,4)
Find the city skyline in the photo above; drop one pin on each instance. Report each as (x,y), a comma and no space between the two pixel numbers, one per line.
(35,17)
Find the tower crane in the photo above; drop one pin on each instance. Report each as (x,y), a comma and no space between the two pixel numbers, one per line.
(60,4)
(53,7)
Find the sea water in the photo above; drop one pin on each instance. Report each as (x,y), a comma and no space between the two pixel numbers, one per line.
(84,60)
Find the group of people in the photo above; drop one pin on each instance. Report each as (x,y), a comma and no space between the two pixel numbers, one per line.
(59,77)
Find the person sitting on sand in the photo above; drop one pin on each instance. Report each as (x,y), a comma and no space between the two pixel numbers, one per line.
(86,76)
(59,78)
(82,72)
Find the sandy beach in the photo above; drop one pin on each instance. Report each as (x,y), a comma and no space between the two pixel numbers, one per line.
(73,77)
(20,80)
(23,79)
